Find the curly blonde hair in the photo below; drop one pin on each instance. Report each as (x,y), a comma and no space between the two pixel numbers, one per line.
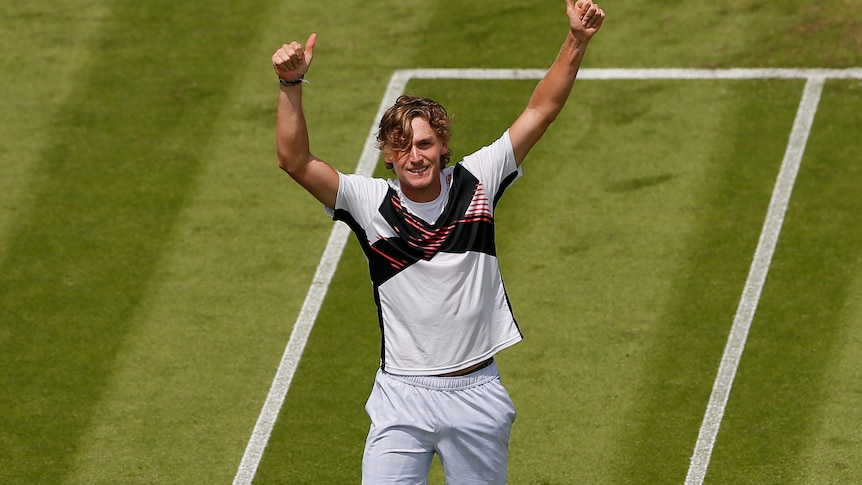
(395,133)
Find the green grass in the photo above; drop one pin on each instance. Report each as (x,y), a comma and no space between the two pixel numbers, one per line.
(105,192)
(153,258)
(806,326)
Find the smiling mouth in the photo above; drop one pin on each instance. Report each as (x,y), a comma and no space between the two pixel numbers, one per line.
(418,171)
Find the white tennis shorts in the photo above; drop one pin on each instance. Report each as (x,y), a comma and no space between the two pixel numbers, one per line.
(466,420)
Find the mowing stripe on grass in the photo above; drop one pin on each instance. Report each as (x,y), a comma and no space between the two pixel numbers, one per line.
(115,166)
(756,279)
(367,161)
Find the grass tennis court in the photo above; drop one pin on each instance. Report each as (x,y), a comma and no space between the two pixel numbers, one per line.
(154,259)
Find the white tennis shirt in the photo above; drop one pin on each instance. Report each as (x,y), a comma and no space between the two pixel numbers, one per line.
(440,297)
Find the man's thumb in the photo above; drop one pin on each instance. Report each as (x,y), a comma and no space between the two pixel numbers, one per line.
(309,44)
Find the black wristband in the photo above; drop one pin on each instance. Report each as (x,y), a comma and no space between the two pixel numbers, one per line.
(299,80)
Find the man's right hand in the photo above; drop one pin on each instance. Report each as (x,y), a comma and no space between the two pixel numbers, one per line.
(292,60)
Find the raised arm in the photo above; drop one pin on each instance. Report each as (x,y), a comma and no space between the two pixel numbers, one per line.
(291,62)
(552,92)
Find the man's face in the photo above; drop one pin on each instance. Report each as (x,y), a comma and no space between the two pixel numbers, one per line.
(418,169)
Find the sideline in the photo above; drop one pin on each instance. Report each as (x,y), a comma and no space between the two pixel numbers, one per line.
(310,307)
(756,279)
(751,294)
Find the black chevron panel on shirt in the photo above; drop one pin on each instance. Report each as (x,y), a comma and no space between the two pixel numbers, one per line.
(466,224)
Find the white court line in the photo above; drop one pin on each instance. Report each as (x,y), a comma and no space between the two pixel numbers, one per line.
(338,237)
(756,279)
(638,74)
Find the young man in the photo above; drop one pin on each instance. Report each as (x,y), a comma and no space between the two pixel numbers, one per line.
(429,239)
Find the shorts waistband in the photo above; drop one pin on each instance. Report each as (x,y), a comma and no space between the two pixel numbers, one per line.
(479,377)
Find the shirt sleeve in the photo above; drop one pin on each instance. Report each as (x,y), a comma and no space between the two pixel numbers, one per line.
(494,165)
(358,195)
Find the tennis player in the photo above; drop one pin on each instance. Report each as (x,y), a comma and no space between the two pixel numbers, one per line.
(428,235)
